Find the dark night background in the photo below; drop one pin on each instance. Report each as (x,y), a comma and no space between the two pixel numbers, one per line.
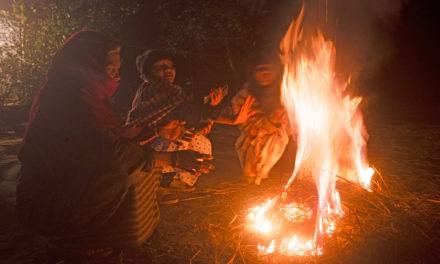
(410,80)
(404,82)
(403,88)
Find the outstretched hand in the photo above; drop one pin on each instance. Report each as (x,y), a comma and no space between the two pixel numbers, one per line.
(193,162)
(215,96)
(246,110)
(186,136)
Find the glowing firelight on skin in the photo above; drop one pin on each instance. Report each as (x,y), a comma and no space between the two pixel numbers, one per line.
(331,140)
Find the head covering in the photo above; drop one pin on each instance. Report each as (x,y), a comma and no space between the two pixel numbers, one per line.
(146,60)
(268,97)
(264,56)
(77,86)
(84,51)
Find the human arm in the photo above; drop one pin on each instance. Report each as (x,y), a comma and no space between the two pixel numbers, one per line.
(206,129)
(127,157)
(154,101)
(187,160)
(243,112)
(216,96)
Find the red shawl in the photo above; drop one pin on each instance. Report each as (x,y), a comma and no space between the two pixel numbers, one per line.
(77,88)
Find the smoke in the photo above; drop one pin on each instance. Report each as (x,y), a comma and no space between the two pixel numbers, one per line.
(361,30)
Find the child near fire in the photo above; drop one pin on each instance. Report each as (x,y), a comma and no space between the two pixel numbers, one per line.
(159,99)
(264,135)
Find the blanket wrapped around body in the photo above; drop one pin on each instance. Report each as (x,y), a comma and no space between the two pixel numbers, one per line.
(85,182)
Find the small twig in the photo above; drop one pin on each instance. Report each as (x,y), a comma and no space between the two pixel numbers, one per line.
(233,220)
(357,220)
(194,256)
(192,198)
(433,201)
(237,249)
(232,258)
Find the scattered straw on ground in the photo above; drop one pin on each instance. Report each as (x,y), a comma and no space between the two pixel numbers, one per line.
(399,222)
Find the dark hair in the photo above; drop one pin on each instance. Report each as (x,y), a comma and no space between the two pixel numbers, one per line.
(264,57)
(145,61)
(268,97)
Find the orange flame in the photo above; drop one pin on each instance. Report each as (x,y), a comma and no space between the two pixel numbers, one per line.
(330,134)
(330,130)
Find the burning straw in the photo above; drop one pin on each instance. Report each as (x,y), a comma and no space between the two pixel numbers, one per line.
(388,225)
(331,141)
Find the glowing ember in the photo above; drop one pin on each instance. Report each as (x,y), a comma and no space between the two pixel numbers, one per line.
(257,216)
(365,178)
(271,219)
(331,142)
(278,220)
(298,213)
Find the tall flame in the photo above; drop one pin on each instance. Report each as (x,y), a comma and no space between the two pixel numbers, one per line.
(328,124)
(331,141)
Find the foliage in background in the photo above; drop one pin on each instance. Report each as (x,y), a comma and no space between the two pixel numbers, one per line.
(9,35)
(44,26)
(194,26)
(212,35)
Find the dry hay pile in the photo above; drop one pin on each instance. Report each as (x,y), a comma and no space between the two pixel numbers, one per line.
(388,225)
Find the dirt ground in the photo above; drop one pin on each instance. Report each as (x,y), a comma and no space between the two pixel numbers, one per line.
(207,225)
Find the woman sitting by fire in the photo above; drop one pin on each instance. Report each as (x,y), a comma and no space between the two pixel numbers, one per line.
(86,184)
(264,135)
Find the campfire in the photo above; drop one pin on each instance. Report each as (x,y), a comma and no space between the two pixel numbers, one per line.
(331,140)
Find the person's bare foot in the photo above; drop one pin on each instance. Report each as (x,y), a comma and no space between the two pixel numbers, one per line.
(257,181)
(246,180)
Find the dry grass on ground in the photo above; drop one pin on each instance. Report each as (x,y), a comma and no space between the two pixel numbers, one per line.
(384,226)
(399,222)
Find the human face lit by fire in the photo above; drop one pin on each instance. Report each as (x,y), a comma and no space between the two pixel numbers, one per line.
(113,64)
(264,74)
(165,69)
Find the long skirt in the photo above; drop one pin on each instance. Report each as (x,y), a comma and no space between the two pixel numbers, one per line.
(93,204)
(259,153)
